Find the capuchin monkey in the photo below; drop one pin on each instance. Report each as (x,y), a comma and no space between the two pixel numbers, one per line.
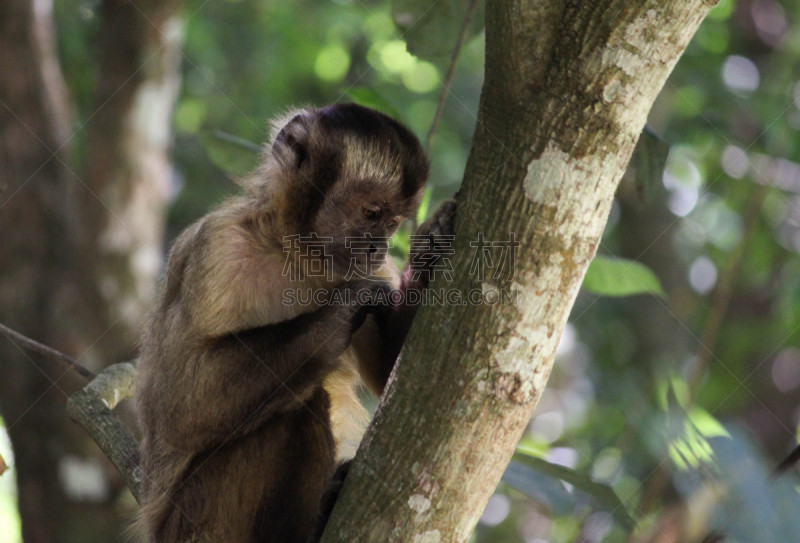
(274,307)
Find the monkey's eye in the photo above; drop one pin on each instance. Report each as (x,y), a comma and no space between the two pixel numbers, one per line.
(371,214)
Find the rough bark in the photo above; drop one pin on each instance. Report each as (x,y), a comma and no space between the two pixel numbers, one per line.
(567,91)
(63,257)
(91,408)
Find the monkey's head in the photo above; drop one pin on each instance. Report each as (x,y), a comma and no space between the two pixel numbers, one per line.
(347,174)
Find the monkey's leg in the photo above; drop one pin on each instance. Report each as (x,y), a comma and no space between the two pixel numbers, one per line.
(264,487)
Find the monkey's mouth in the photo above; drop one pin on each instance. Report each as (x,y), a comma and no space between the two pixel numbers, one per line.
(357,261)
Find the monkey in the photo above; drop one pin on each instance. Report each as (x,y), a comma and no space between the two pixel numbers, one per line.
(246,398)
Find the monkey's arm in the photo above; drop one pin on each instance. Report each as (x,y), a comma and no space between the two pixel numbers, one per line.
(257,373)
(379,341)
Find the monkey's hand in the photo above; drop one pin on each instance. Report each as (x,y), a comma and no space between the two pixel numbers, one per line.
(367,297)
(441,222)
(350,303)
(430,248)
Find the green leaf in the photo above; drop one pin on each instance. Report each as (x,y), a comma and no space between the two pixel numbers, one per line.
(752,506)
(540,487)
(232,154)
(620,277)
(431,30)
(424,206)
(601,493)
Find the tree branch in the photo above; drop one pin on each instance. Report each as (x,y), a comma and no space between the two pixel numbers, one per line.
(788,463)
(451,70)
(45,350)
(567,90)
(91,408)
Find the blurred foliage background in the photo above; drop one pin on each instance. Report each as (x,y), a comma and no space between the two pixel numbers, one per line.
(666,412)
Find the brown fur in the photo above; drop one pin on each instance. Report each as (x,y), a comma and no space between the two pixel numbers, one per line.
(245,402)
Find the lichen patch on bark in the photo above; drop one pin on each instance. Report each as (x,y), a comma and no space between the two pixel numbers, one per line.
(556,179)
(419,503)
(431,536)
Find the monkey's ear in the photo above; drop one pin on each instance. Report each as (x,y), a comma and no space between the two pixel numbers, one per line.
(290,144)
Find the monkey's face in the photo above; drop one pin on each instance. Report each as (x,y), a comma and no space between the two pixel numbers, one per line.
(357,224)
(349,177)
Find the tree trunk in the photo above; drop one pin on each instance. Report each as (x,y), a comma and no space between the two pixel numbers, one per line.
(567,91)
(73,241)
